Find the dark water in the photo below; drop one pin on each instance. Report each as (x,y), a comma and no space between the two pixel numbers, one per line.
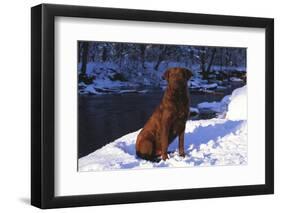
(104,118)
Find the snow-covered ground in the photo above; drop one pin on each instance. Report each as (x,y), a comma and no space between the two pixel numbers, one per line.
(106,86)
(217,141)
(220,108)
(236,79)
(104,82)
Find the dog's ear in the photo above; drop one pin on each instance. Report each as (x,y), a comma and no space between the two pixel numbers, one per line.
(166,74)
(188,74)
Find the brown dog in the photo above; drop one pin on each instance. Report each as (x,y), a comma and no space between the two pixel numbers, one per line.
(169,118)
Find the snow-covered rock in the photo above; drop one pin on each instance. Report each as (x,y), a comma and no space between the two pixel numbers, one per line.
(198,84)
(218,107)
(209,86)
(217,141)
(194,111)
(235,79)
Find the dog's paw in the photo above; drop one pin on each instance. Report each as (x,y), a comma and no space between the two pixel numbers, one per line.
(182,154)
(164,156)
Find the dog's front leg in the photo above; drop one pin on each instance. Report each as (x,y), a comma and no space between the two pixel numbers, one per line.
(181,144)
(165,135)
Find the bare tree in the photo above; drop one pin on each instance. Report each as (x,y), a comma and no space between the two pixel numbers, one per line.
(211,60)
(104,53)
(142,54)
(79,53)
(204,53)
(161,56)
(85,47)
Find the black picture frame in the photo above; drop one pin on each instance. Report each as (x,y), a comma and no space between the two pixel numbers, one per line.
(43,117)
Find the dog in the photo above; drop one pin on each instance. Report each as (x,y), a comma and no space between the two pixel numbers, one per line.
(169,118)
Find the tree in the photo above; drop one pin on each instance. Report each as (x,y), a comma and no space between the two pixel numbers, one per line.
(202,55)
(205,53)
(85,47)
(211,60)
(119,54)
(142,54)
(161,56)
(104,53)
(83,76)
(79,46)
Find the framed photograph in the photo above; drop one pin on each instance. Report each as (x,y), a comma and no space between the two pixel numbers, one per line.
(140,106)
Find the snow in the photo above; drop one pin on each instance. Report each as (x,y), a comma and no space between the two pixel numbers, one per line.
(203,85)
(99,67)
(209,86)
(237,108)
(229,68)
(235,79)
(213,106)
(106,86)
(194,110)
(144,64)
(104,81)
(218,107)
(214,142)
(196,82)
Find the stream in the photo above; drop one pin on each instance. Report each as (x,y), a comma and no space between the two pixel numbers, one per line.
(104,118)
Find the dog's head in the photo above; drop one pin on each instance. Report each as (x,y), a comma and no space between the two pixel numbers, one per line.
(177,77)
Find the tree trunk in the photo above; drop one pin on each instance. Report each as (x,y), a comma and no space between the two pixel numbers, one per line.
(203,63)
(79,52)
(104,54)
(160,58)
(221,52)
(142,49)
(211,61)
(120,55)
(85,47)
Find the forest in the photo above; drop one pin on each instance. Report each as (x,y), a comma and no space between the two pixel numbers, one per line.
(108,65)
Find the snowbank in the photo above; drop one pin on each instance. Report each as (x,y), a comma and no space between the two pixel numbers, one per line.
(237,108)
(210,106)
(218,141)
(220,108)
(232,107)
